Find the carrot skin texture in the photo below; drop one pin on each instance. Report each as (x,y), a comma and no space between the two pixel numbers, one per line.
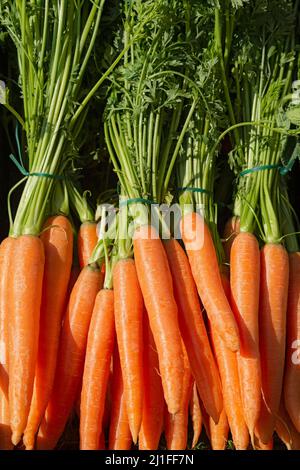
(219,432)
(153,398)
(204,264)
(25,294)
(245,283)
(228,368)
(216,433)
(100,345)
(193,330)
(6,251)
(128,304)
(176,426)
(58,247)
(196,415)
(272,329)
(119,430)
(86,241)
(71,354)
(292,363)
(156,284)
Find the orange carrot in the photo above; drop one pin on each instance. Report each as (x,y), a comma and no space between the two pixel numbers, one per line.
(129,322)
(272,329)
(244,281)
(6,252)
(292,363)
(196,415)
(99,351)
(86,242)
(58,247)
(219,432)
(156,283)
(231,230)
(204,264)
(193,330)
(216,433)
(153,397)
(119,430)
(176,426)
(71,355)
(228,368)
(25,294)
(5,431)
(285,429)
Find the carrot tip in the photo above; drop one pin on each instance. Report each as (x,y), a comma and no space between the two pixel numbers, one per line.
(28,441)
(15,438)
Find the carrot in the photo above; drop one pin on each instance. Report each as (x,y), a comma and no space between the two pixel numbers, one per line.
(153,397)
(58,246)
(196,415)
(176,426)
(228,368)
(86,241)
(5,431)
(156,283)
(6,251)
(216,433)
(219,432)
(99,351)
(292,364)
(204,264)
(272,330)
(231,230)
(286,430)
(129,321)
(193,330)
(25,293)
(119,430)
(71,355)
(244,282)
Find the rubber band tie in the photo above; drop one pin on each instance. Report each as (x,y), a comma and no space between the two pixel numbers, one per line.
(20,165)
(195,190)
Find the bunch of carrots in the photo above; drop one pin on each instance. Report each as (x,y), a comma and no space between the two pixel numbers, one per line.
(147,325)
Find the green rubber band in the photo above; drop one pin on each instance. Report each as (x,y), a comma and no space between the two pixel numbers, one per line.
(126,202)
(259,168)
(194,190)
(26,173)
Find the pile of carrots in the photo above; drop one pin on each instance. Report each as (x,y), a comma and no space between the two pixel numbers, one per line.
(153,341)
